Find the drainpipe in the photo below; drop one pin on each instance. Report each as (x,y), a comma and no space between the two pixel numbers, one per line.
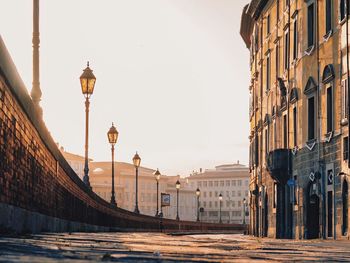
(323,216)
(290,205)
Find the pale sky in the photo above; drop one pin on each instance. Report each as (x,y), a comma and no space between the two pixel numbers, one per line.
(172,75)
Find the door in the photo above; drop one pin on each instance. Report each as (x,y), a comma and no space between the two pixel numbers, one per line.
(313,223)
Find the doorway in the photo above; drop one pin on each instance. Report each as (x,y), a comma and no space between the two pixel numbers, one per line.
(345,208)
(313,218)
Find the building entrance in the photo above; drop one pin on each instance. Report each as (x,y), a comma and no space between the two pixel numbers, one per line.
(313,217)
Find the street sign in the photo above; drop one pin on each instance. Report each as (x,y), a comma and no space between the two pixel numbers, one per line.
(291,182)
(165,199)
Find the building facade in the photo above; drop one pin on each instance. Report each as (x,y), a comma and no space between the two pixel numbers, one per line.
(299,63)
(231,181)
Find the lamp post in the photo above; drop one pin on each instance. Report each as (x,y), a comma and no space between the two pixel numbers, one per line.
(87,82)
(136,160)
(157,175)
(244,208)
(177,199)
(198,193)
(220,200)
(112,135)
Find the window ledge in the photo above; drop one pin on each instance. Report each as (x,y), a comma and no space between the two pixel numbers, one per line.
(328,35)
(341,22)
(309,50)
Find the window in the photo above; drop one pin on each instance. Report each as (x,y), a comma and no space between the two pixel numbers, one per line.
(233,203)
(277,63)
(310,25)
(285,131)
(222,183)
(239,182)
(239,193)
(233,182)
(233,193)
(311,118)
(246,192)
(295,128)
(329,109)
(216,203)
(227,183)
(346,148)
(268,30)
(239,203)
(199,184)
(266,142)
(345,103)
(210,183)
(216,183)
(286,50)
(274,195)
(210,194)
(342,8)
(328,15)
(268,72)
(205,184)
(204,194)
(210,204)
(295,39)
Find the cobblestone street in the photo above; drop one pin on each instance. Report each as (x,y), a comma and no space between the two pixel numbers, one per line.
(155,247)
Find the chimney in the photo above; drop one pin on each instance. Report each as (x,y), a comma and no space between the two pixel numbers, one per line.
(200,170)
(237,161)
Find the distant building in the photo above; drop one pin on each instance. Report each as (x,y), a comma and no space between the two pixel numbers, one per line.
(232,181)
(77,162)
(125,190)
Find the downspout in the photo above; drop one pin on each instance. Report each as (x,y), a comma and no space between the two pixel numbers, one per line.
(289,229)
(261,130)
(319,126)
(347,75)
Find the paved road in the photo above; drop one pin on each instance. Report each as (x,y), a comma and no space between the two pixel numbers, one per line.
(156,247)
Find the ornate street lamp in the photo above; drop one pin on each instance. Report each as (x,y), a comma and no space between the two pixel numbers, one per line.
(87,82)
(198,193)
(112,135)
(220,200)
(157,175)
(244,208)
(136,160)
(177,199)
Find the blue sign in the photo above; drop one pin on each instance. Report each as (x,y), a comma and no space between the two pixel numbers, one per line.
(291,182)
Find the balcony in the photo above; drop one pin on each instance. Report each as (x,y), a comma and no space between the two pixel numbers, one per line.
(277,163)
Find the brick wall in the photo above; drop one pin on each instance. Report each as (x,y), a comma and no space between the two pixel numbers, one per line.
(35,177)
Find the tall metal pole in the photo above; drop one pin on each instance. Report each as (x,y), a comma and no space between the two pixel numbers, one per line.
(243,213)
(86,166)
(157,213)
(220,221)
(136,197)
(36,92)
(113,193)
(177,205)
(197,208)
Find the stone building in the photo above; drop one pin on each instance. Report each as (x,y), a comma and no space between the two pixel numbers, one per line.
(299,62)
(229,180)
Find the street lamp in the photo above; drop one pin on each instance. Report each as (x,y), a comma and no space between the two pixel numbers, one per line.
(136,160)
(198,193)
(87,82)
(157,175)
(112,135)
(244,208)
(177,199)
(220,200)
